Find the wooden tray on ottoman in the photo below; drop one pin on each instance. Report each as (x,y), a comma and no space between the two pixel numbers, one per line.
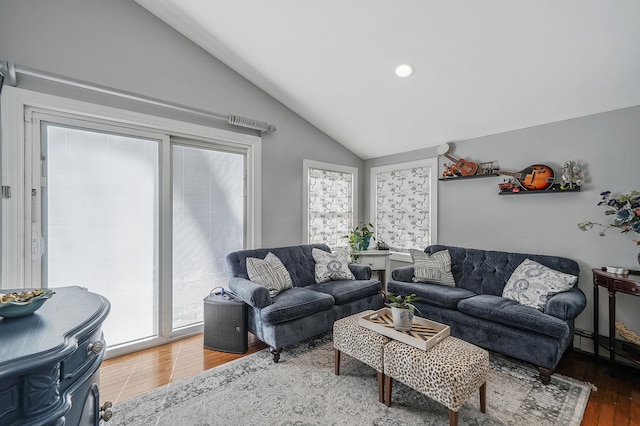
(424,334)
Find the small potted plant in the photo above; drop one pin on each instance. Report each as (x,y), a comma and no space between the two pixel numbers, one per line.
(402,310)
(359,238)
(381,245)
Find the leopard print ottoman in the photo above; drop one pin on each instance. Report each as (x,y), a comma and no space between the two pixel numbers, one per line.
(362,344)
(447,373)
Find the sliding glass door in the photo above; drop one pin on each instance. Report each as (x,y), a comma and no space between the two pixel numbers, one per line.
(139,208)
(144,219)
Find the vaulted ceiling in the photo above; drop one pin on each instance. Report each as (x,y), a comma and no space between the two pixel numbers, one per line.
(481,67)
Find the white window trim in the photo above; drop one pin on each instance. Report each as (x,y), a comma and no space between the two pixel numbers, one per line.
(431,163)
(16,253)
(312,164)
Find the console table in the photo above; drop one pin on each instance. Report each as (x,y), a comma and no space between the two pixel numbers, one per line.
(49,361)
(628,284)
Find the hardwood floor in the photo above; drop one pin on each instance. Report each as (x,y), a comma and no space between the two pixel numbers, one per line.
(133,374)
(615,402)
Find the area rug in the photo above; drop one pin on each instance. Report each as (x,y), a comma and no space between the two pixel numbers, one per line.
(302,389)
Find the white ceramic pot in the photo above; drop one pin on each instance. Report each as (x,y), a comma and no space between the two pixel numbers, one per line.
(402,318)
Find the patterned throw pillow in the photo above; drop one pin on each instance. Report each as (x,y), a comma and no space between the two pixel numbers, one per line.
(532,284)
(269,273)
(332,266)
(435,268)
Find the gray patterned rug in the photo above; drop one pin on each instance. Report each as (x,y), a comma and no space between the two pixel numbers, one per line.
(303,390)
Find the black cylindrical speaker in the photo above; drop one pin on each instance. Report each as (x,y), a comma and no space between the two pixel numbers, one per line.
(225,324)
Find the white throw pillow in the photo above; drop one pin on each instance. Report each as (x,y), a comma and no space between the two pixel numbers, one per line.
(434,268)
(532,284)
(332,266)
(270,273)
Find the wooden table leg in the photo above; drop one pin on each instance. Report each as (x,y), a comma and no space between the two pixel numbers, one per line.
(381,377)
(483,398)
(387,390)
(453,418)
(336,361)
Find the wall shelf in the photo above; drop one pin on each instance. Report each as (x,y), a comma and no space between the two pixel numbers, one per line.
(553,189)
(469,177)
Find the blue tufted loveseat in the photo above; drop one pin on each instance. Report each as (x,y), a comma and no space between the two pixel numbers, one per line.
(476,311)
(307,309)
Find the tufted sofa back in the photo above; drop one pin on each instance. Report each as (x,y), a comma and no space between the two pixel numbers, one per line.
(487,272)
(297,259)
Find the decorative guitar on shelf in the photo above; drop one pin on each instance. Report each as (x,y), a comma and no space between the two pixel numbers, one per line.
(537,177)
(461,167)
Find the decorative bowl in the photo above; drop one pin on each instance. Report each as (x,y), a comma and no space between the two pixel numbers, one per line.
(24,303)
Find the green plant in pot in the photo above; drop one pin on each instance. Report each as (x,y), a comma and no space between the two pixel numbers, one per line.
(359,238)
(402,309)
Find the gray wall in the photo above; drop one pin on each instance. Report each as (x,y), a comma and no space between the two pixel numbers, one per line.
(121,45)
(472,214)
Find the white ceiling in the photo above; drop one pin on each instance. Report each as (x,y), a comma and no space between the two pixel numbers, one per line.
(482,67)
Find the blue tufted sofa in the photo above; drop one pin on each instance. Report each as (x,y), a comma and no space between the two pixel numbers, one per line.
(476,311)
(307,309)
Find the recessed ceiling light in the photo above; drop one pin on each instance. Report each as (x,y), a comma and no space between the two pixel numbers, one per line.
(404,70)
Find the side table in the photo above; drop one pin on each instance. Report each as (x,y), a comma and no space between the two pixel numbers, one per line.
(628,284)
(378,261)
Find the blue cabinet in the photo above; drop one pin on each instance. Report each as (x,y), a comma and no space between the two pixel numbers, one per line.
(49,361)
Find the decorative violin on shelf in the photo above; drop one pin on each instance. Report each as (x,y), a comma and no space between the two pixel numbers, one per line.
(537,177)
(460,167)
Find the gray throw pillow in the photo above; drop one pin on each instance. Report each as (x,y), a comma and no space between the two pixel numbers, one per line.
(270,273)
(331,266)
(434,268)
(533,284)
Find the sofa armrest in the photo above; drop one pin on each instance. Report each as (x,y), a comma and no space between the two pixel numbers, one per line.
(566,305)
(404,274)
(251,293)
(361,272)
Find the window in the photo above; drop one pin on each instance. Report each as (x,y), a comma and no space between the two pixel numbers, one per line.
(329,198)
(138,208)
(403,203)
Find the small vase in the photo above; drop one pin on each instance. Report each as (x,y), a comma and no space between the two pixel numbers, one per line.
(402,318)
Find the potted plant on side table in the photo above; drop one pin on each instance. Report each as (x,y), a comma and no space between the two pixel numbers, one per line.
(402,310)
(359,238)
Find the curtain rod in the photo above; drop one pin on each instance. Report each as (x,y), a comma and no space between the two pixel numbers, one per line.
(9,72)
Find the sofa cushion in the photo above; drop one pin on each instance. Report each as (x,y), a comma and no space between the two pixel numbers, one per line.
(433,294)
(346,291)
(294,303)
(332,266)
(532,284)
(511,313)
(434,268)
(269,273)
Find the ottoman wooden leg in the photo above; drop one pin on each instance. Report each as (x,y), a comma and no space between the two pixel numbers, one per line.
(453,418)
(380,387)
(337,361)
(387,390)
(483,398)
